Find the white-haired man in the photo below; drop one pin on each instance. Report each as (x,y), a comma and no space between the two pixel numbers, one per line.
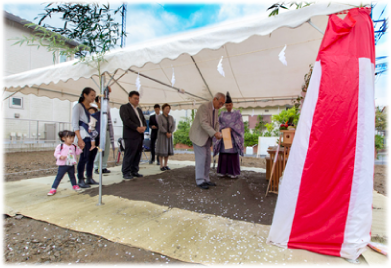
(202,131)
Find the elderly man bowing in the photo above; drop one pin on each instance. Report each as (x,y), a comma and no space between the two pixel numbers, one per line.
(203,129)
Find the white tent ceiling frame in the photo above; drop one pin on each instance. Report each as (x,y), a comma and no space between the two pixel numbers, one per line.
(254,76)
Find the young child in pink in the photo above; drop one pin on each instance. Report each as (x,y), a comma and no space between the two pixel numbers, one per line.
(65,154)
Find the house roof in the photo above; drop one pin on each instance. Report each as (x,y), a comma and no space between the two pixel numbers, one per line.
(23,22)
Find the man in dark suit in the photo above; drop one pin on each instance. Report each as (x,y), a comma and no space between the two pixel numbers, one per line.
(134,125)
(154,126)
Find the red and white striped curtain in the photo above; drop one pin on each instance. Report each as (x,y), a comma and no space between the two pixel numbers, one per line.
(325,199)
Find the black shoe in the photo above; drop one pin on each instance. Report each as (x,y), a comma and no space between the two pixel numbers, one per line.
(209,183)
(96,171)
(162,169)
(82,184)
(151,162)
(203,185)
(128,177)
(167,168)
(105,170)
(90,180)
(158,163)
(137,174)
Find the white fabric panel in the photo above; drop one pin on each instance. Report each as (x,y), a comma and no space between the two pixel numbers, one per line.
(250,47)
(289,187)
(358,223)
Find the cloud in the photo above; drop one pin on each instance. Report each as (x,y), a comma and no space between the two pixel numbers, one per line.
(234,11)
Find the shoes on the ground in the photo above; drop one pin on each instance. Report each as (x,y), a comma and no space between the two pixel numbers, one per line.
(151,162)
(137,174)
(220,175)
(76,187)
(90,180)
(233,176)
(158,163)
(52,192)
(203,185)
(82,184)
(105,170)
(209,183)
(128,177)
(96,171)
(167,168)
(162,169)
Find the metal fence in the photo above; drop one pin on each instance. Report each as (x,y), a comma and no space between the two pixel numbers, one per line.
(30,134)
(36,135)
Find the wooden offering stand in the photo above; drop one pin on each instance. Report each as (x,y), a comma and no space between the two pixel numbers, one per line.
(278,160)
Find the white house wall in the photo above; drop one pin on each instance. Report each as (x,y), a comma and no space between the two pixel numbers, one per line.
(22,58)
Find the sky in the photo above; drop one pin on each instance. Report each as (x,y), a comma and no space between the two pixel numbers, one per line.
(150,20)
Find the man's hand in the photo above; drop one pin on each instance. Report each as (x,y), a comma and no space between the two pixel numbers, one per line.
(168,135)
(63,157)
(153,127)
(141,129)
(218,135)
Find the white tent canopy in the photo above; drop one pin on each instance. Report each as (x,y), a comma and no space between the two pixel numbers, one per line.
(254,76)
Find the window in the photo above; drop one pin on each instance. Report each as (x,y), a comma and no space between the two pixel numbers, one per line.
(16,102)
(63,58)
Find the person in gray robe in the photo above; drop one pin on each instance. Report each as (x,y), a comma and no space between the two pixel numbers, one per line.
(164,144)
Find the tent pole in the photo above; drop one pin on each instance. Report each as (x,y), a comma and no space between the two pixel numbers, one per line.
(203,79)
(102,128)
(164,84)
(115,81)
(313,25)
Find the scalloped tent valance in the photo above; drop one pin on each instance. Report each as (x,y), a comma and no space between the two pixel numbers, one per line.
(254,76)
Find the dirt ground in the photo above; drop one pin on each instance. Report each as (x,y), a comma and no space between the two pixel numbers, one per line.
(238,199)
(31,243)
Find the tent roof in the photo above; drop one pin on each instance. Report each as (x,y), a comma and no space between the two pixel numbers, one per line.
(254,76)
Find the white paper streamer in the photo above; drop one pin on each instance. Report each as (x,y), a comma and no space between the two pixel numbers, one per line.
(252,113)
(141,92)
(173,78)
(194,102)
(220,67)
(138,83)
(281,56)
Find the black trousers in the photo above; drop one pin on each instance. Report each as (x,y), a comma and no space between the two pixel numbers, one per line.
(132,156)
(86,159)
(153,145)
(60,174)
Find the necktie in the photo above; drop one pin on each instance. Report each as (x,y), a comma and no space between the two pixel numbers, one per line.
(213,119)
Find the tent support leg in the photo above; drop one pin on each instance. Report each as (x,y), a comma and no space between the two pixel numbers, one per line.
(102,128)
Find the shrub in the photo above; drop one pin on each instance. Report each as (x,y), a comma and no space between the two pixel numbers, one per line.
(181,135)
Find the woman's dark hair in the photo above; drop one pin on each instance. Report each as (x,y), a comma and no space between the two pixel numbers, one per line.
(87,91)
(131,93)
(93,108)
(66,133)
(156,106)
(165,105)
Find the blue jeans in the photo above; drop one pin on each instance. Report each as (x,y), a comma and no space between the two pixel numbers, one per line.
(86,159)
(60,174)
